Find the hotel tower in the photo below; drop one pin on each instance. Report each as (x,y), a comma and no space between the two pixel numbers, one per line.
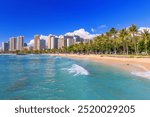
(12,44)
(20,43)
(36,40)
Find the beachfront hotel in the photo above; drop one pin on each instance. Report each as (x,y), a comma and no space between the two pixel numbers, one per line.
(54,42)
(12,44)
(20,43)
(41,44)
(5,46)
(36,39)
(16,43)
(70,41)
(62,42)
(51,42)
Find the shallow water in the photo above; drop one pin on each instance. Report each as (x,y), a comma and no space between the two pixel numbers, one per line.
(49,77)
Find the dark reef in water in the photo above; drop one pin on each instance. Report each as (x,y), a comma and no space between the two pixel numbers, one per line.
(18,85)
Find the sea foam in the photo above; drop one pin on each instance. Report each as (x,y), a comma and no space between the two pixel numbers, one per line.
(77,70)
(58,57)
(142,74)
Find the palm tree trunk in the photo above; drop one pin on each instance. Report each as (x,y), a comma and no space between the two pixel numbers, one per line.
(146,49)
(124,49)
(127,48)
(135,47)
(115,50)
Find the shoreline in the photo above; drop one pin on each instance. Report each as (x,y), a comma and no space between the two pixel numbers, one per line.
(136,66)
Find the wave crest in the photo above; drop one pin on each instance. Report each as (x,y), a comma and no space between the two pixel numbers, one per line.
(142,74)
(77,70)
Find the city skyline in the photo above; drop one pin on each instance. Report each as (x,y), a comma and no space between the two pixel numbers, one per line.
(61,16)
(50,42)
(81,33)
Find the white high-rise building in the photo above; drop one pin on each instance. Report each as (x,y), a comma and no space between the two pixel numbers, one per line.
(86,41)
(70,42)
(20,43)
(41,44)
(62,42)
(36,39)
(77,39)
(5,47)
(49,41)
(54,42)
(12,44)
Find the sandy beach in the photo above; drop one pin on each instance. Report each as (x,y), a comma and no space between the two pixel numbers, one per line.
(136,66)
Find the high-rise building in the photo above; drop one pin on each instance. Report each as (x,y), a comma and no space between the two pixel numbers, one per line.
(77,39)
(86,41)
(70,41)
(5,47)
(41,44)
(36,39)
(12,44)
(49,42)
(20,43)
(62,42)
(54,42)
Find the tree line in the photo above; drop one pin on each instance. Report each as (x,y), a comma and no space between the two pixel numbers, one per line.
(126,41)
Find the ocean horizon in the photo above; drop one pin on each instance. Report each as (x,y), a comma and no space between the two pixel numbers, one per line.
(45,77)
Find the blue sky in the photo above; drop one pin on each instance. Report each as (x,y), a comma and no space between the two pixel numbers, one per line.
(30,17)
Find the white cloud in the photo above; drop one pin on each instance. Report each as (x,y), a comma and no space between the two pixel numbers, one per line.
(31,43)
(82,33)
(44,37)
(141,29)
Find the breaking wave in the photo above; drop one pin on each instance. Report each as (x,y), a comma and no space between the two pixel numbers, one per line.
(142,74)
(77,70)
(57,57)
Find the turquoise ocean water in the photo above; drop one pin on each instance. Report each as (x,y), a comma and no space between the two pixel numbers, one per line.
(54,78)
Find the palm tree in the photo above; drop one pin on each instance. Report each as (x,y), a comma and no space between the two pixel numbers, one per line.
(108,45)
(114,32)
(133,31)
(99,43)
(124,34)
(145,34)
(124,41)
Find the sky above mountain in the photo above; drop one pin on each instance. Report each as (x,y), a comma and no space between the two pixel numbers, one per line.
(90,17)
